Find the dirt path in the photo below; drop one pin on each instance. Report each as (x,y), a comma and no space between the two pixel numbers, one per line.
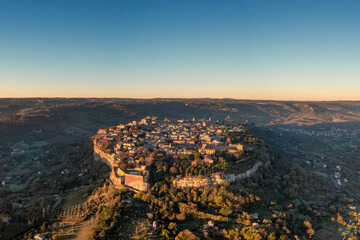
(85,228)
(72,230)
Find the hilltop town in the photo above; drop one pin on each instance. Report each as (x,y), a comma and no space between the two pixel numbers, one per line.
(167,171)
(131,149)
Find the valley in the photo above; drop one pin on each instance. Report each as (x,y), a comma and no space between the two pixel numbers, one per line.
(52,184)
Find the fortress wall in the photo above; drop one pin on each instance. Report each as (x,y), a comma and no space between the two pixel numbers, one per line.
(134,181)
(246,174)
(137,182)
(215,178)
(104,157)
(116,180)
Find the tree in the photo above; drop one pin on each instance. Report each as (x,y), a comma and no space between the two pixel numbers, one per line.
(307,224)
(197,155)
(43,228)
(181,217)
(340,219)
(55,237)
(284,237)
(332,209)
(165,233)
(310,232)
(172,226)
(186,235)
(173,170)
(272,236)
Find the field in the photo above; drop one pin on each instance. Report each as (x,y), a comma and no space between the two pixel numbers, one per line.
(326,234)
(36,144)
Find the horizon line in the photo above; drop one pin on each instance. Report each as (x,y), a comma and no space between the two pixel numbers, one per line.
(183,98)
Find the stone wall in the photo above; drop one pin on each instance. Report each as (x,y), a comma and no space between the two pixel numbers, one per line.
(198,182)
(119,178)
(246,174)
(104,157)
(215,179)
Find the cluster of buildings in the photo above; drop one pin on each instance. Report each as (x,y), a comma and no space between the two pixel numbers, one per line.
(337,175)
(181,137)
(126,142)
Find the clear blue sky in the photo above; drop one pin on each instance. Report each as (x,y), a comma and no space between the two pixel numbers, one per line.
(297,50)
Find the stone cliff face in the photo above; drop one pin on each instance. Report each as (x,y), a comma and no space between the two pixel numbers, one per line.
(215,179)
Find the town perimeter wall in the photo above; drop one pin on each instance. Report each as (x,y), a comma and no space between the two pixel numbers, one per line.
(215,178)
(137,181)
(133,181)
(108,159)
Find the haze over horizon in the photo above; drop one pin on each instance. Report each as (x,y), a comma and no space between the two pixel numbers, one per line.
(278,50)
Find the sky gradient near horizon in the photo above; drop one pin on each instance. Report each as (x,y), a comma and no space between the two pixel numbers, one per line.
(281,50)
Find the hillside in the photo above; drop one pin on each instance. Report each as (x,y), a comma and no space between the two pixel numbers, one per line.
(47,163)
(90,114)
(43,122)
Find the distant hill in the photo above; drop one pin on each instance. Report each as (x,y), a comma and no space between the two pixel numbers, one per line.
(63,119)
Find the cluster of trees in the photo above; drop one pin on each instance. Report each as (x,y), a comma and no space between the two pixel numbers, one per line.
(167,167)
(104,144)
(273,189)
(25,219)
(86,172)
(240,137)
(39,198)
(350,224)
(174,207)
(112,211)
(203,169)
(168,211)
(285,196)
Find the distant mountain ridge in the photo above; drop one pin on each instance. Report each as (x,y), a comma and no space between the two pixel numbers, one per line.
(257,111)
